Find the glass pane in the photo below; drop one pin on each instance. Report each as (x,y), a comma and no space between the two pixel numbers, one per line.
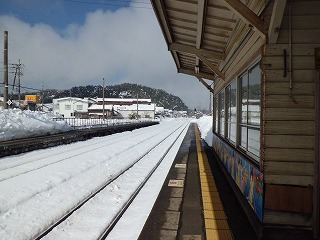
(222,113)
(254,141)
(244,137)
(232,132)
(217,114)
(254,96)
(244,97)
(228,102)
(233,94)
(232,111)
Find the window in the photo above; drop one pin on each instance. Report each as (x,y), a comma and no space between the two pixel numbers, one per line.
(67,107)
(222,113)
(216,114)
(79,107)
(250,110)
(231,93)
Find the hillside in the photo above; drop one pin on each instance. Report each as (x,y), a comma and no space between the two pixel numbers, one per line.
(125,90)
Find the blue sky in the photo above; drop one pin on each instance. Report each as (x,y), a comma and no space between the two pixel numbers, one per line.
(66,43)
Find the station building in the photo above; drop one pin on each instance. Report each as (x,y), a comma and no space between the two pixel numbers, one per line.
(264,60)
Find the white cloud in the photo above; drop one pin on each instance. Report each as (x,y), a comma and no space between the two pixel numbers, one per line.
(122,46)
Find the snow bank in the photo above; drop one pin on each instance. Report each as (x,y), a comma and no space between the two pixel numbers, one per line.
(15,123)
(205,127)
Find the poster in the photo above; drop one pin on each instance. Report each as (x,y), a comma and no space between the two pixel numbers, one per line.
(247,177)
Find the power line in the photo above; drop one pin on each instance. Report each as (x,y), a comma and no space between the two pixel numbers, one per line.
(29,88)
(110,4)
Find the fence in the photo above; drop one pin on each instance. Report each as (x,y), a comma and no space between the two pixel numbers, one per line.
(78,123)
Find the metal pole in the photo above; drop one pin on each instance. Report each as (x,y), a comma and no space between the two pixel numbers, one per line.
(19,74)
(103,98)
(137,106)
(5,71)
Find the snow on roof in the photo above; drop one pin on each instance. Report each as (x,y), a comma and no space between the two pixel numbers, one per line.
(159,109)
(99,107)
(75,99)
(129,100)
(133,107)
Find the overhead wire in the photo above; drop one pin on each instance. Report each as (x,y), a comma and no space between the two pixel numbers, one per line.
(112,4)
(21,86)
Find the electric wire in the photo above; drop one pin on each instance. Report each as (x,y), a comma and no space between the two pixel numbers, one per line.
(110,4)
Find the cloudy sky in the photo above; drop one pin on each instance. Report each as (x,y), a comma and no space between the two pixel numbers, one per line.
(66,43)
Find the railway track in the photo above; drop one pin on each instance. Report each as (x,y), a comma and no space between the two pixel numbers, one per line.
(23,164)
(76,215)
(116,181)
(13,147)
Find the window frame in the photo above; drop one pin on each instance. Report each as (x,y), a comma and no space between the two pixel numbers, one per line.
(228,91)
(239,124)
(67,107)
(247,125)
(222,123)
(79,107)
(216,114)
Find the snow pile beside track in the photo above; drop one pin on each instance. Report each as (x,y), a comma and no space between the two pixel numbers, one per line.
(205,127)
(15,123)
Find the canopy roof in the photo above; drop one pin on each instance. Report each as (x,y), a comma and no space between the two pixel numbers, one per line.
(203,35)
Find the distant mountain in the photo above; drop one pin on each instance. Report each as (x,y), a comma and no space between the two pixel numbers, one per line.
(125,90)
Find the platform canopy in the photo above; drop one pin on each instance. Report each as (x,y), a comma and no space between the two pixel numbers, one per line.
(203,35)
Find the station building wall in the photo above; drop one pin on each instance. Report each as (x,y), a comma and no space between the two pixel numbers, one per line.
(265,120)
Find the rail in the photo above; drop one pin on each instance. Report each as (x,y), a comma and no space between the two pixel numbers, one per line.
(108,229)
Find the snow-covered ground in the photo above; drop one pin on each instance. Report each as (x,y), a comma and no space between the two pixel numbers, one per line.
(39,187)
(15,123)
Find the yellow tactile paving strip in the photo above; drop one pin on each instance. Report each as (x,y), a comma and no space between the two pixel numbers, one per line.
(216,224)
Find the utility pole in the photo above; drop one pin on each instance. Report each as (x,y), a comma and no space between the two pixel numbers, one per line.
(137,106)
(103,98)
(19,74)
(5,71)
(42,95)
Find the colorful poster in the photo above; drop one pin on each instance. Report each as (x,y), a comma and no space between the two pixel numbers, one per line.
(247,177)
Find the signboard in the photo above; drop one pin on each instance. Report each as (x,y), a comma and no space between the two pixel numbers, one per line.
(32,98)
(176,183)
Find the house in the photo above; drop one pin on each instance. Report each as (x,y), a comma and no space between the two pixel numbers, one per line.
(71,107)
(123,108)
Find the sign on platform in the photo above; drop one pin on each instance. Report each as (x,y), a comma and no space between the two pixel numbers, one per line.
(180,165)
(176,183)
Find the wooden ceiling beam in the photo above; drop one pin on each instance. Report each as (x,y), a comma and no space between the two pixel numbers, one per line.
(212,67)
(195,51)
(247,15)
(192,73)
(200,25)
(200,21)
(205,84)
(276,19)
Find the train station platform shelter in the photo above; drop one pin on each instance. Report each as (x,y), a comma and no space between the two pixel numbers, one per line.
(263,57)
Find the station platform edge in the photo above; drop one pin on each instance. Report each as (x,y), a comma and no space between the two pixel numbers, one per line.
(195,201)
